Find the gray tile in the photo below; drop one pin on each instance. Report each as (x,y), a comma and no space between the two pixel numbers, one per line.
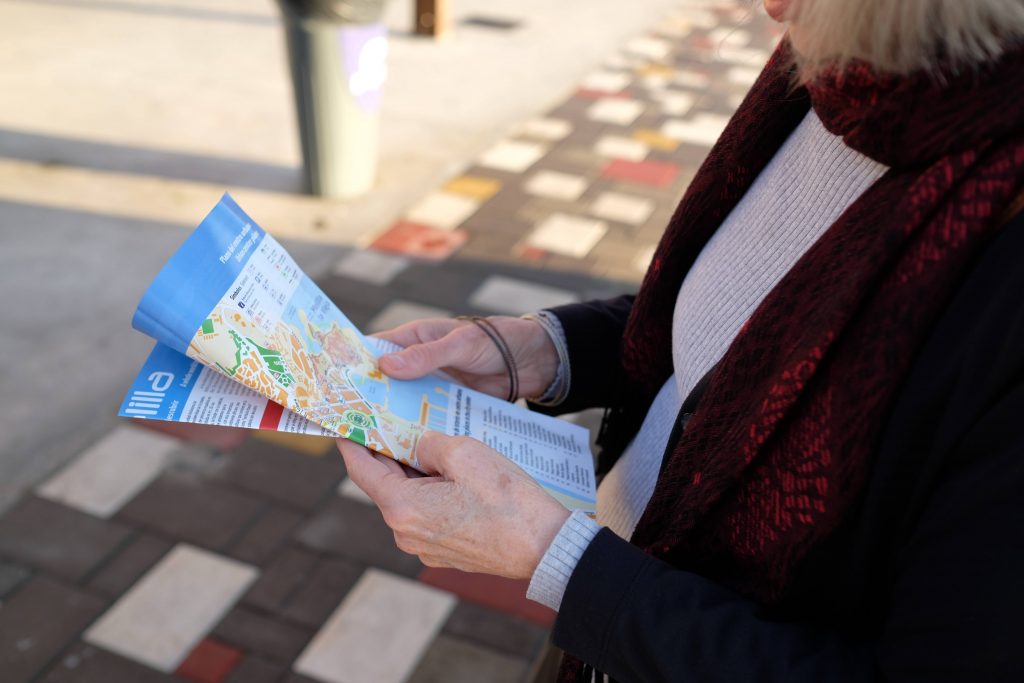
(400,312)
(495,630)
(283,475)
(282,577)
(271,638)
(353,530)
(11,576)
(321,591)
(513,296)
(88,664)
(254,669)
(450,660)
(38,623)
(265,536)
(57,539)
(188,508)
(128,565)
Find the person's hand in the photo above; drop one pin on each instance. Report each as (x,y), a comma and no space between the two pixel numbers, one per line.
(475,511)
(464,351)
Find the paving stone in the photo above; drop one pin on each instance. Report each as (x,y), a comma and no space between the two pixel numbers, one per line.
(444,210)
(619,147)
(280,579)
(421,241)
(504,595)
(57,539)
(321,591)
(702,129)
(129,564)
(350,489)
(606,81)
(266,535)
(449,660)
(615,110)
(622,207)
(253,669)
(546,128)
(11,576)
(675,103)
(507,295)
(87,664)
(567,235)
(209,662)
(189,508)
(656,173)
(556,185)
(378,633)
(160,619)
(651,48)
(109,474)
(307,444)
(478,187)
(495,630)
(400,312)
(355,531)
(38,623)
(271,638)
(282,475)
(512,155)
(371,266)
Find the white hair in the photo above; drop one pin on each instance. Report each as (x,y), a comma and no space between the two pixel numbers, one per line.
(901,36)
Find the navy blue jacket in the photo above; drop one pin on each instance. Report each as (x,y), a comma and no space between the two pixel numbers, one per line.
(924,580)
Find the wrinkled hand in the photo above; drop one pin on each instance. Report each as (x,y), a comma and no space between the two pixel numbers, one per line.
(475,511)
(464,351)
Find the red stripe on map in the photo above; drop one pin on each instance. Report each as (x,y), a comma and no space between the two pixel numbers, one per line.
(271,416)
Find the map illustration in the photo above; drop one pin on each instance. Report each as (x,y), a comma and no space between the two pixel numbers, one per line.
(324,371)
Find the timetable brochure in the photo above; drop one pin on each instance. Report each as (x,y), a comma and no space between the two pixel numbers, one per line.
(246,339)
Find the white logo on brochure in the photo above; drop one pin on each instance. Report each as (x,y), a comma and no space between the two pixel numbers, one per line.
(144,403)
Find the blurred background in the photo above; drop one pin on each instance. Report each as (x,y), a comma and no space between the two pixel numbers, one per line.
(417,158)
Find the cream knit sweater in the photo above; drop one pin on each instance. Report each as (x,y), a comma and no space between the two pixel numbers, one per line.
(809,182)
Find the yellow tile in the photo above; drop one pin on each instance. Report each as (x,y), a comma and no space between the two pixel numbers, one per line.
(303,443)
(655,70)
(655,140)
(474,186)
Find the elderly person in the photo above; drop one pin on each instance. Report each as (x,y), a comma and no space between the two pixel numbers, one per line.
(813,455)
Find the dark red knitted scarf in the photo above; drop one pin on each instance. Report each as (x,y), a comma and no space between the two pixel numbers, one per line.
(782,442)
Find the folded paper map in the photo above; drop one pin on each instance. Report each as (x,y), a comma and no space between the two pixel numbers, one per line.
(246,339)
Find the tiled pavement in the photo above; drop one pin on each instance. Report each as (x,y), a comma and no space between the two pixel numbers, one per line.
(149,558)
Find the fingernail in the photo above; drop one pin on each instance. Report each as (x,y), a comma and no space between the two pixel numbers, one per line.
(396,362)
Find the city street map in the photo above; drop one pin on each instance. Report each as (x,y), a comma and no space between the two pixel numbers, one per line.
(246,339)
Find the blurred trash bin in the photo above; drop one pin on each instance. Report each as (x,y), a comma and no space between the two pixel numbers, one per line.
(337,51)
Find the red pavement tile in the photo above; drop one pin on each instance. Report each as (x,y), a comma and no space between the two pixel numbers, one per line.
(655,173)
(531,253)
(418,240)
(210,662)
(503,595)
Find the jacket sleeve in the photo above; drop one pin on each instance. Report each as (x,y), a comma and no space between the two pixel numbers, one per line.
(953,613)
(593,334)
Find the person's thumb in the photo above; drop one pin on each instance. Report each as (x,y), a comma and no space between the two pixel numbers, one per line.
(422,359)
(434,452)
